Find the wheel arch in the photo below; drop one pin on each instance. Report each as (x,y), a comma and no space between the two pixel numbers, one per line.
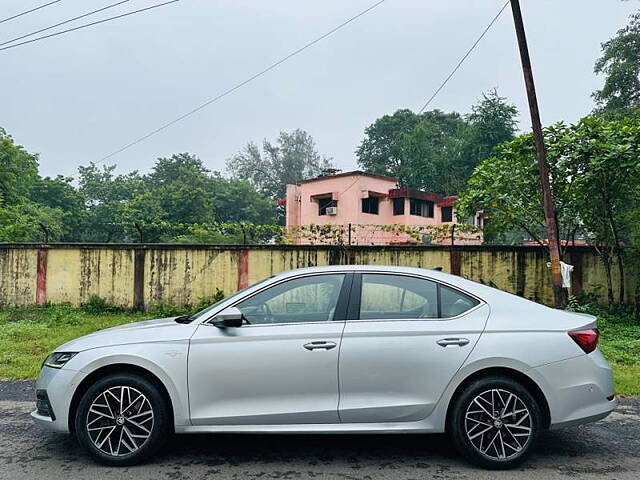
(101,372)
(516,375)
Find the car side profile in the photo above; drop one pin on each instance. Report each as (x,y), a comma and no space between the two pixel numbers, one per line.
(341,349)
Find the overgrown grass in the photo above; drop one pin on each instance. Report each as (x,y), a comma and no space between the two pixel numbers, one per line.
(29,334)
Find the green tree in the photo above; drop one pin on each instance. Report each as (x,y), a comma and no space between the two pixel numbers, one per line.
(492,121)
(59,193)
(506,187)
(594,172)
(18,171)
(103,194)
(604,159)
(293,157)
(383,149)
(620,65)
(237,201)
(437,151)
(181,185)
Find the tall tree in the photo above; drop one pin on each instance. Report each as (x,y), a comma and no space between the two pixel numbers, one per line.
(383,149)
(436,150)
(595,174)
(18,171)
(293,157)
(620,65)
(492,121)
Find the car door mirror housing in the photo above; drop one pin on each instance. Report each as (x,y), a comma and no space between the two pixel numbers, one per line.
(231,317)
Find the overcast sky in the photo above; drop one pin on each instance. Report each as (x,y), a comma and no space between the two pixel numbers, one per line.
(77,97)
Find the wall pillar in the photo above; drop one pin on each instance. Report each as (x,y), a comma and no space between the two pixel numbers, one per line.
(138,279)
(455,257)
(243,269)
(41,277)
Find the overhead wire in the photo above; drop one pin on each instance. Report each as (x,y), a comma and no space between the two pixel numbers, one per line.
(55,34)
(28,11)
(241,84)
(93,12)
(464,57)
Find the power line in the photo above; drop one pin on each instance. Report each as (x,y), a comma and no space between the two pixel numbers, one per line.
(29,11)
(88,25)
(241,84)
(446,80)
(64,23)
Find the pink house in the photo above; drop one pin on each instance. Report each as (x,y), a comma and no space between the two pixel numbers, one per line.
(370,204)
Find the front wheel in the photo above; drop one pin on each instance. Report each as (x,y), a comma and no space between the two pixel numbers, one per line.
(495,423)
(122,419)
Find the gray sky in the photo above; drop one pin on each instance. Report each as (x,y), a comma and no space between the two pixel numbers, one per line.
(78,97)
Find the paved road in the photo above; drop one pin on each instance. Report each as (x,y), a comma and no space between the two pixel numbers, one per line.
(608,449)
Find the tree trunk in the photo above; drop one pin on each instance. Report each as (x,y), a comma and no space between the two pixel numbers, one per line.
(607,268)
(620,255)
(637,300)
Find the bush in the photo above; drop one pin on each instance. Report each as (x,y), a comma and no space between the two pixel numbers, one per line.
(97,305)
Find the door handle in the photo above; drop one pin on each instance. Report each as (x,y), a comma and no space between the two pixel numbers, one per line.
(445,342)
(320,345)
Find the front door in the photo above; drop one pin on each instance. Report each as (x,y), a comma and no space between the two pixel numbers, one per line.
(282,367)
(406,339)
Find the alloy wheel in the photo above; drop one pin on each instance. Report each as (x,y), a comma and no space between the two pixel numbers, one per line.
(120,420)
(498,424)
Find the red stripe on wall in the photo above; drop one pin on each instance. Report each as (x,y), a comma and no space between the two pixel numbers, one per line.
(243,269)
(41,278)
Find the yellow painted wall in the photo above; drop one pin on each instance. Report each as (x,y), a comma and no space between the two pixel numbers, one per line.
(188,275)
(74,274)
(18,276)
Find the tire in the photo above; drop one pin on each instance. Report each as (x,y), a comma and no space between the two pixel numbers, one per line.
(500,439)
(126,432)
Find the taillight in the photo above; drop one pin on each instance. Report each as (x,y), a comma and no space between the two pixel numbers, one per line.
(587,340)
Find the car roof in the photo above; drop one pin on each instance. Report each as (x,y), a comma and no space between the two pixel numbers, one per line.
(484,292)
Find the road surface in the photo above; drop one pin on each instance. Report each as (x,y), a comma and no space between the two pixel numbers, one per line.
(607,449)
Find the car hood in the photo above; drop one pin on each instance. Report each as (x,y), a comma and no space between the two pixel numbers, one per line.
(159,330)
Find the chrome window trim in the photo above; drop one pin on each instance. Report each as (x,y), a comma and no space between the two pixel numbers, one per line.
(355,272)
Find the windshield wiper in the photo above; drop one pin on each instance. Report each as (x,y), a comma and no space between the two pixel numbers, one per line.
(184,319)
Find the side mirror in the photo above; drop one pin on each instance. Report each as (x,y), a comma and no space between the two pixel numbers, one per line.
(231,317)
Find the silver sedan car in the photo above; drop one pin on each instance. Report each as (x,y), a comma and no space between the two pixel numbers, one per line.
(343,349)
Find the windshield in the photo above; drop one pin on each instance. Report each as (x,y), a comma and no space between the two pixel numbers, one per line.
(202,314)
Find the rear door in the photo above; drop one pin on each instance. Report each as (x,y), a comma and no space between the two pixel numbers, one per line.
(404,340)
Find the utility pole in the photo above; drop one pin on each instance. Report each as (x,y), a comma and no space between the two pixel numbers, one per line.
(541,156)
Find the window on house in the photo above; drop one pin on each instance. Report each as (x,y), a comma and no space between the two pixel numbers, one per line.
(447,214)
(324,203)
(370,205)
(421,208)
(398,206)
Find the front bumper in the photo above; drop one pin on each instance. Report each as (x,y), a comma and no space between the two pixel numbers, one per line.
(58,385)
(578,389)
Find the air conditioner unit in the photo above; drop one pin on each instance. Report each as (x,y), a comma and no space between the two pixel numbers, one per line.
(332,210)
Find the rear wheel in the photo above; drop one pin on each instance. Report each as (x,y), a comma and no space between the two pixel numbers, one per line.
(495,422)
(122,419)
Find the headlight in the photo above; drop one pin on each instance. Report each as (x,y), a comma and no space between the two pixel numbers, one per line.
(59,359)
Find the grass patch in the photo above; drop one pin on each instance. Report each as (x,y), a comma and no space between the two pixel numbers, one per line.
(29,334)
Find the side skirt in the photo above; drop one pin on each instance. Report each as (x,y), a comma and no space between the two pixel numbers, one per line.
(353,428)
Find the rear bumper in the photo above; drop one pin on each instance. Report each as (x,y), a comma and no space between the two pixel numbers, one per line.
(577,389)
